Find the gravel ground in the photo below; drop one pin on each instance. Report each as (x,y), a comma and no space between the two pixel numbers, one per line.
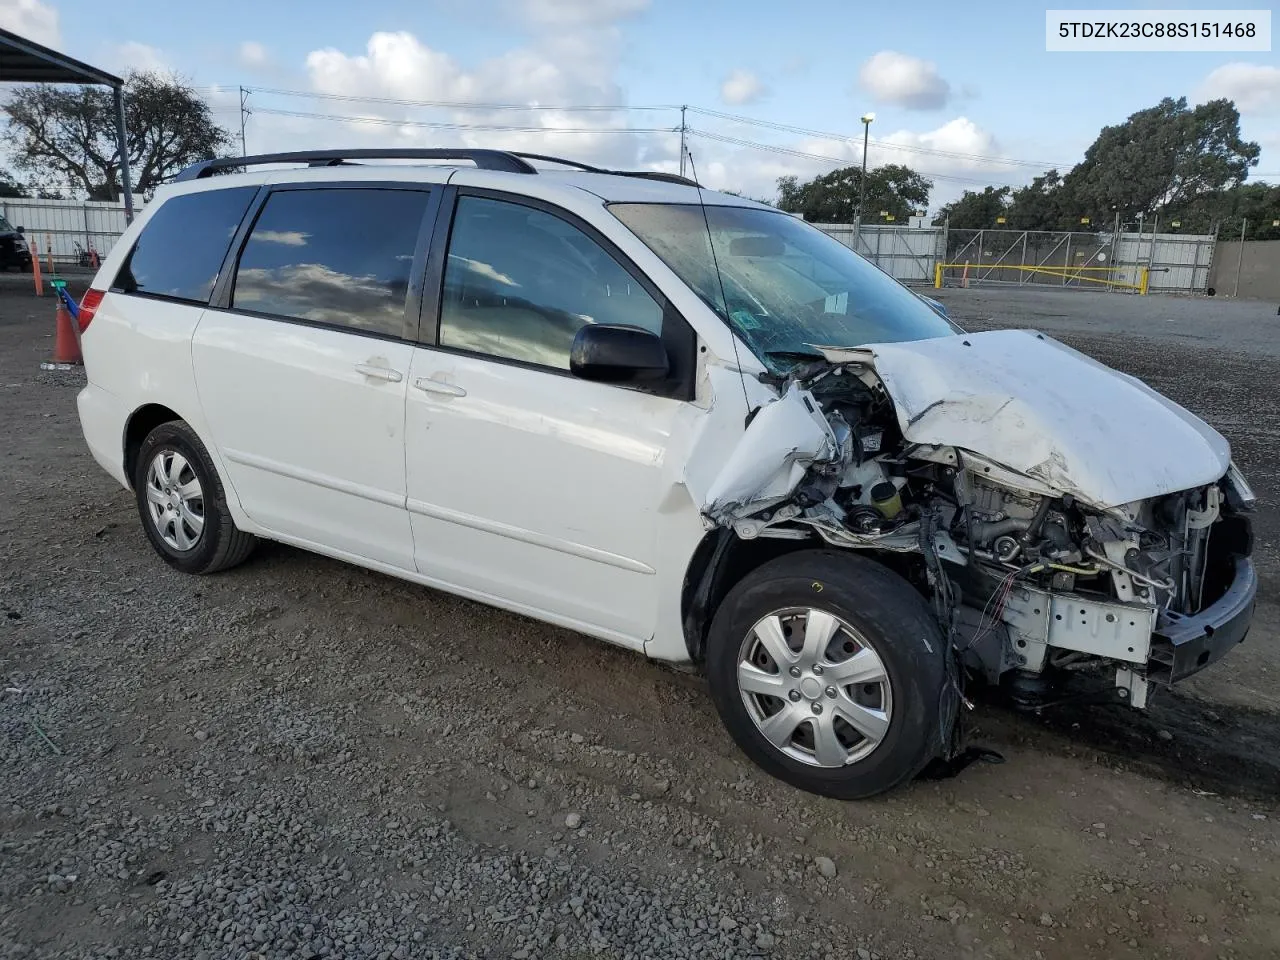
(302,759)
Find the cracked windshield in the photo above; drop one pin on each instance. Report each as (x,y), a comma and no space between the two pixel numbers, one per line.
(787,288)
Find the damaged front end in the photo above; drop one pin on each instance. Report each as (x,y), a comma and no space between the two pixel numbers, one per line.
(1065,520)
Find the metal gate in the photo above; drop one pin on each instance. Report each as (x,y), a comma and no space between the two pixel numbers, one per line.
(1175,263)
(1021,257)
(905,253)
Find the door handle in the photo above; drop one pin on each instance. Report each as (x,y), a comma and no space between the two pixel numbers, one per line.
(439,386)
(379,373)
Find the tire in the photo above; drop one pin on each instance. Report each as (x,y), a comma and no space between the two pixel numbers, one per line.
(899,694)
(186,489)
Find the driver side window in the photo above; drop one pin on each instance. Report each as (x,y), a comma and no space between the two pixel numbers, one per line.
(520,283)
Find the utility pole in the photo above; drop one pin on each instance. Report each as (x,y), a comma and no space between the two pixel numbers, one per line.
(1244,230)
(682,132)
(244,113)
(122,142)
(862,183)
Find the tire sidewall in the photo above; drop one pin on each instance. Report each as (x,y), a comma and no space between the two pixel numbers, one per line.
(889,615)
(177,437)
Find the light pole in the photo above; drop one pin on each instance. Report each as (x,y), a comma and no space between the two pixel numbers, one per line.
(862,184)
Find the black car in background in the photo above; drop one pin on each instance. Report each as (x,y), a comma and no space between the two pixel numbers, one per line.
(13,248)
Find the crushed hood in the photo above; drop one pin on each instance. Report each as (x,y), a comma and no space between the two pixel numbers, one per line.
(1027,402)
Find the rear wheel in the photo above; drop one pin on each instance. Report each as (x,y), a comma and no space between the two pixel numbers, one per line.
(830,672)
(183,505)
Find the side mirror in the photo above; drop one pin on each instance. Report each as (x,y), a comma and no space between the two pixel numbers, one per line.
(21,229)
(612,353)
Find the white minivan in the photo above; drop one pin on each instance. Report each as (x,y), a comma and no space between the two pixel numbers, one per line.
(673,419)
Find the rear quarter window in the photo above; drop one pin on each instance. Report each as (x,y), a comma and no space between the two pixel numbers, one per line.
(339,256)
(181,248)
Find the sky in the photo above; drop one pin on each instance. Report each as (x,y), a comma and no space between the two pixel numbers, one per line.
(965,94)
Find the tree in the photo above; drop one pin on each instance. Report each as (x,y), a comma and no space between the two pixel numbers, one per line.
(1259,203)
(1166,156)
(9,187)
(974,210)
(68,135)
(1040,205)
(833,197)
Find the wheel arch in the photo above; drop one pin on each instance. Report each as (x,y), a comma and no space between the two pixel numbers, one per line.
(722,558)
(140,423)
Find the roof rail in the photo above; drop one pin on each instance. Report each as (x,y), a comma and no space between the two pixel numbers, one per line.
(587,168)
(483,159)
(584,167)
(654,175)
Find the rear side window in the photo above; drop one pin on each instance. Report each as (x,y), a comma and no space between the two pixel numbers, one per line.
(182,246)
(340,257)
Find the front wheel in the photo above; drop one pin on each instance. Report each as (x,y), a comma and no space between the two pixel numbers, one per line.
(830,672)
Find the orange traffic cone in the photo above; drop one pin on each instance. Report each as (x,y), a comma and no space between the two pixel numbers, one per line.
(35,271)
(66,337)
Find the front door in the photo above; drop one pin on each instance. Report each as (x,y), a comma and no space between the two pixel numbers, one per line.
(526,485)
(302,373)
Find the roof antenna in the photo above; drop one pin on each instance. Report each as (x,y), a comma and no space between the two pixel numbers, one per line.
(724,300)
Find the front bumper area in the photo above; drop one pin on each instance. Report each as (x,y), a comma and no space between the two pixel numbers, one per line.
(1183,644)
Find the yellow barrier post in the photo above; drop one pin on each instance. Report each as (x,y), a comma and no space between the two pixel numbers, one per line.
(1146,280)
(937,276)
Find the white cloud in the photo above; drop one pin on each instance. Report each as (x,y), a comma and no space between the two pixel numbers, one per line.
(741,86)
(892,77)
(288,238)
(253,55)
(562,66)
(534,79)
(1255,88)
(132,55)
(574,13)
(31,19)
(960,155)
(958,136)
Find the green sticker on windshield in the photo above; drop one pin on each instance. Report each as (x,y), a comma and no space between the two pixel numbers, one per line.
(745,319)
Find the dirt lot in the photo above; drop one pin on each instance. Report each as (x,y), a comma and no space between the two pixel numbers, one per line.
(301,759)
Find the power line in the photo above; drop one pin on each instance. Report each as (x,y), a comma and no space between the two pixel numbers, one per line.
(450,125)
(885,144)
(622,107)
(772,148)
(456,104)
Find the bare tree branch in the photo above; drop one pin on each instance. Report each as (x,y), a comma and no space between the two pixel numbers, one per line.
(69,135)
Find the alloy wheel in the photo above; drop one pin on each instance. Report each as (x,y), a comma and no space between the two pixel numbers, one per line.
(175,500)
(814,687)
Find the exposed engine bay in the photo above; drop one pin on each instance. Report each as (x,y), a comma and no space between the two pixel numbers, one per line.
(1033,565)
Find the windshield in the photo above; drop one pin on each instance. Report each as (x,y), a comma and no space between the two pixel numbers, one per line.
(4,226)
(789,286)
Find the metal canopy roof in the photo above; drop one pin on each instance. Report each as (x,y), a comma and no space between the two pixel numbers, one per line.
(25,61)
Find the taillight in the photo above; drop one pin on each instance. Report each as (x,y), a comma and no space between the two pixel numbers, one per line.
(89,306)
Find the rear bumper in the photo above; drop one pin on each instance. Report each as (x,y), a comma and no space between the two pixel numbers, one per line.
(102,419)
(1186,644)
